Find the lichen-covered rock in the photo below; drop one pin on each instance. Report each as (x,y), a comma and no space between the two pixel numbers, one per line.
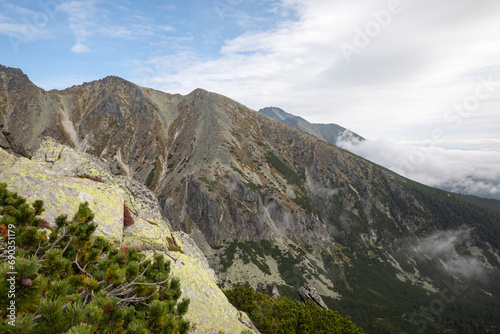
(209,308)
(150,230)
(62,194)
(63,178)
(6,159)
(70,162)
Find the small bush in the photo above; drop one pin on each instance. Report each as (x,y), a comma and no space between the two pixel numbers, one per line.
(285,315)
(67,281)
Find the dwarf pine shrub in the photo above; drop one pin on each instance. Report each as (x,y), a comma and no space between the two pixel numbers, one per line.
(61,279)
(285,315)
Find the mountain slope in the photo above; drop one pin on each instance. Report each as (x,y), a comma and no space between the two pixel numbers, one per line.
(332,133)
(267,202)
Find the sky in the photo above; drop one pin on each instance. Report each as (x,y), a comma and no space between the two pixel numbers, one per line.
(419,79)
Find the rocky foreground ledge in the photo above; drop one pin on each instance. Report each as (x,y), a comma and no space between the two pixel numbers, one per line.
(129,215)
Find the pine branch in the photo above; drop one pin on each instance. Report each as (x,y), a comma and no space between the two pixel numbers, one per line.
(144,259)
(123,287)
(69,242)
(123,293)
(40,246)
(78,265)
(63,235)
(170,256)
(137,300)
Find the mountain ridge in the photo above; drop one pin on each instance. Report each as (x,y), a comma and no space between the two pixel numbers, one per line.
(268,202)
(332,133)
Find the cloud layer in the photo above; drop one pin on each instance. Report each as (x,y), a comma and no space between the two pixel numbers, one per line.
(465,171)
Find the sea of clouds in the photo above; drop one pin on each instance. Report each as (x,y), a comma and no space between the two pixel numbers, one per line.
(471,172)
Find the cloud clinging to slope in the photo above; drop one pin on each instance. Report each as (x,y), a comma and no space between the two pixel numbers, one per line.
(469,172)
(442,245)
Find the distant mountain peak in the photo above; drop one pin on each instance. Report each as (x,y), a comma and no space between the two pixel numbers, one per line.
(275,113)
(331,132)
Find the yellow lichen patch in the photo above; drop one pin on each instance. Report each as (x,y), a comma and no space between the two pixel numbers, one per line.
(70,162)
(6,159)
(150,230)
(63,194)
(48,151)
(144,235)
(209,307)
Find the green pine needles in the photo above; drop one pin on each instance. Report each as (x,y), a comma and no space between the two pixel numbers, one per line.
(285,315)
(61,279)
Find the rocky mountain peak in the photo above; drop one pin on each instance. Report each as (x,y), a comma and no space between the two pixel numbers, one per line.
(11,72)
(331,133)
(14,79)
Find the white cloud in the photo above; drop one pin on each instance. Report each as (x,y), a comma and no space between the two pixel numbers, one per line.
(166,28)
(429,57)
(80,48)
(466,171)
(81,16)
(442,244)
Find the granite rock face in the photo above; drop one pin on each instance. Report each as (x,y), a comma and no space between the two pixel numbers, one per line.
(64,177)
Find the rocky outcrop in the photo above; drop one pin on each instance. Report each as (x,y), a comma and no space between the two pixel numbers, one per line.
(268,289)
(308,293)
(64,177)
(11,145)
(209,307)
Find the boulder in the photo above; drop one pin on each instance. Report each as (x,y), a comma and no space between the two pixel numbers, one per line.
(309,293)
(268,289)
(62,192)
